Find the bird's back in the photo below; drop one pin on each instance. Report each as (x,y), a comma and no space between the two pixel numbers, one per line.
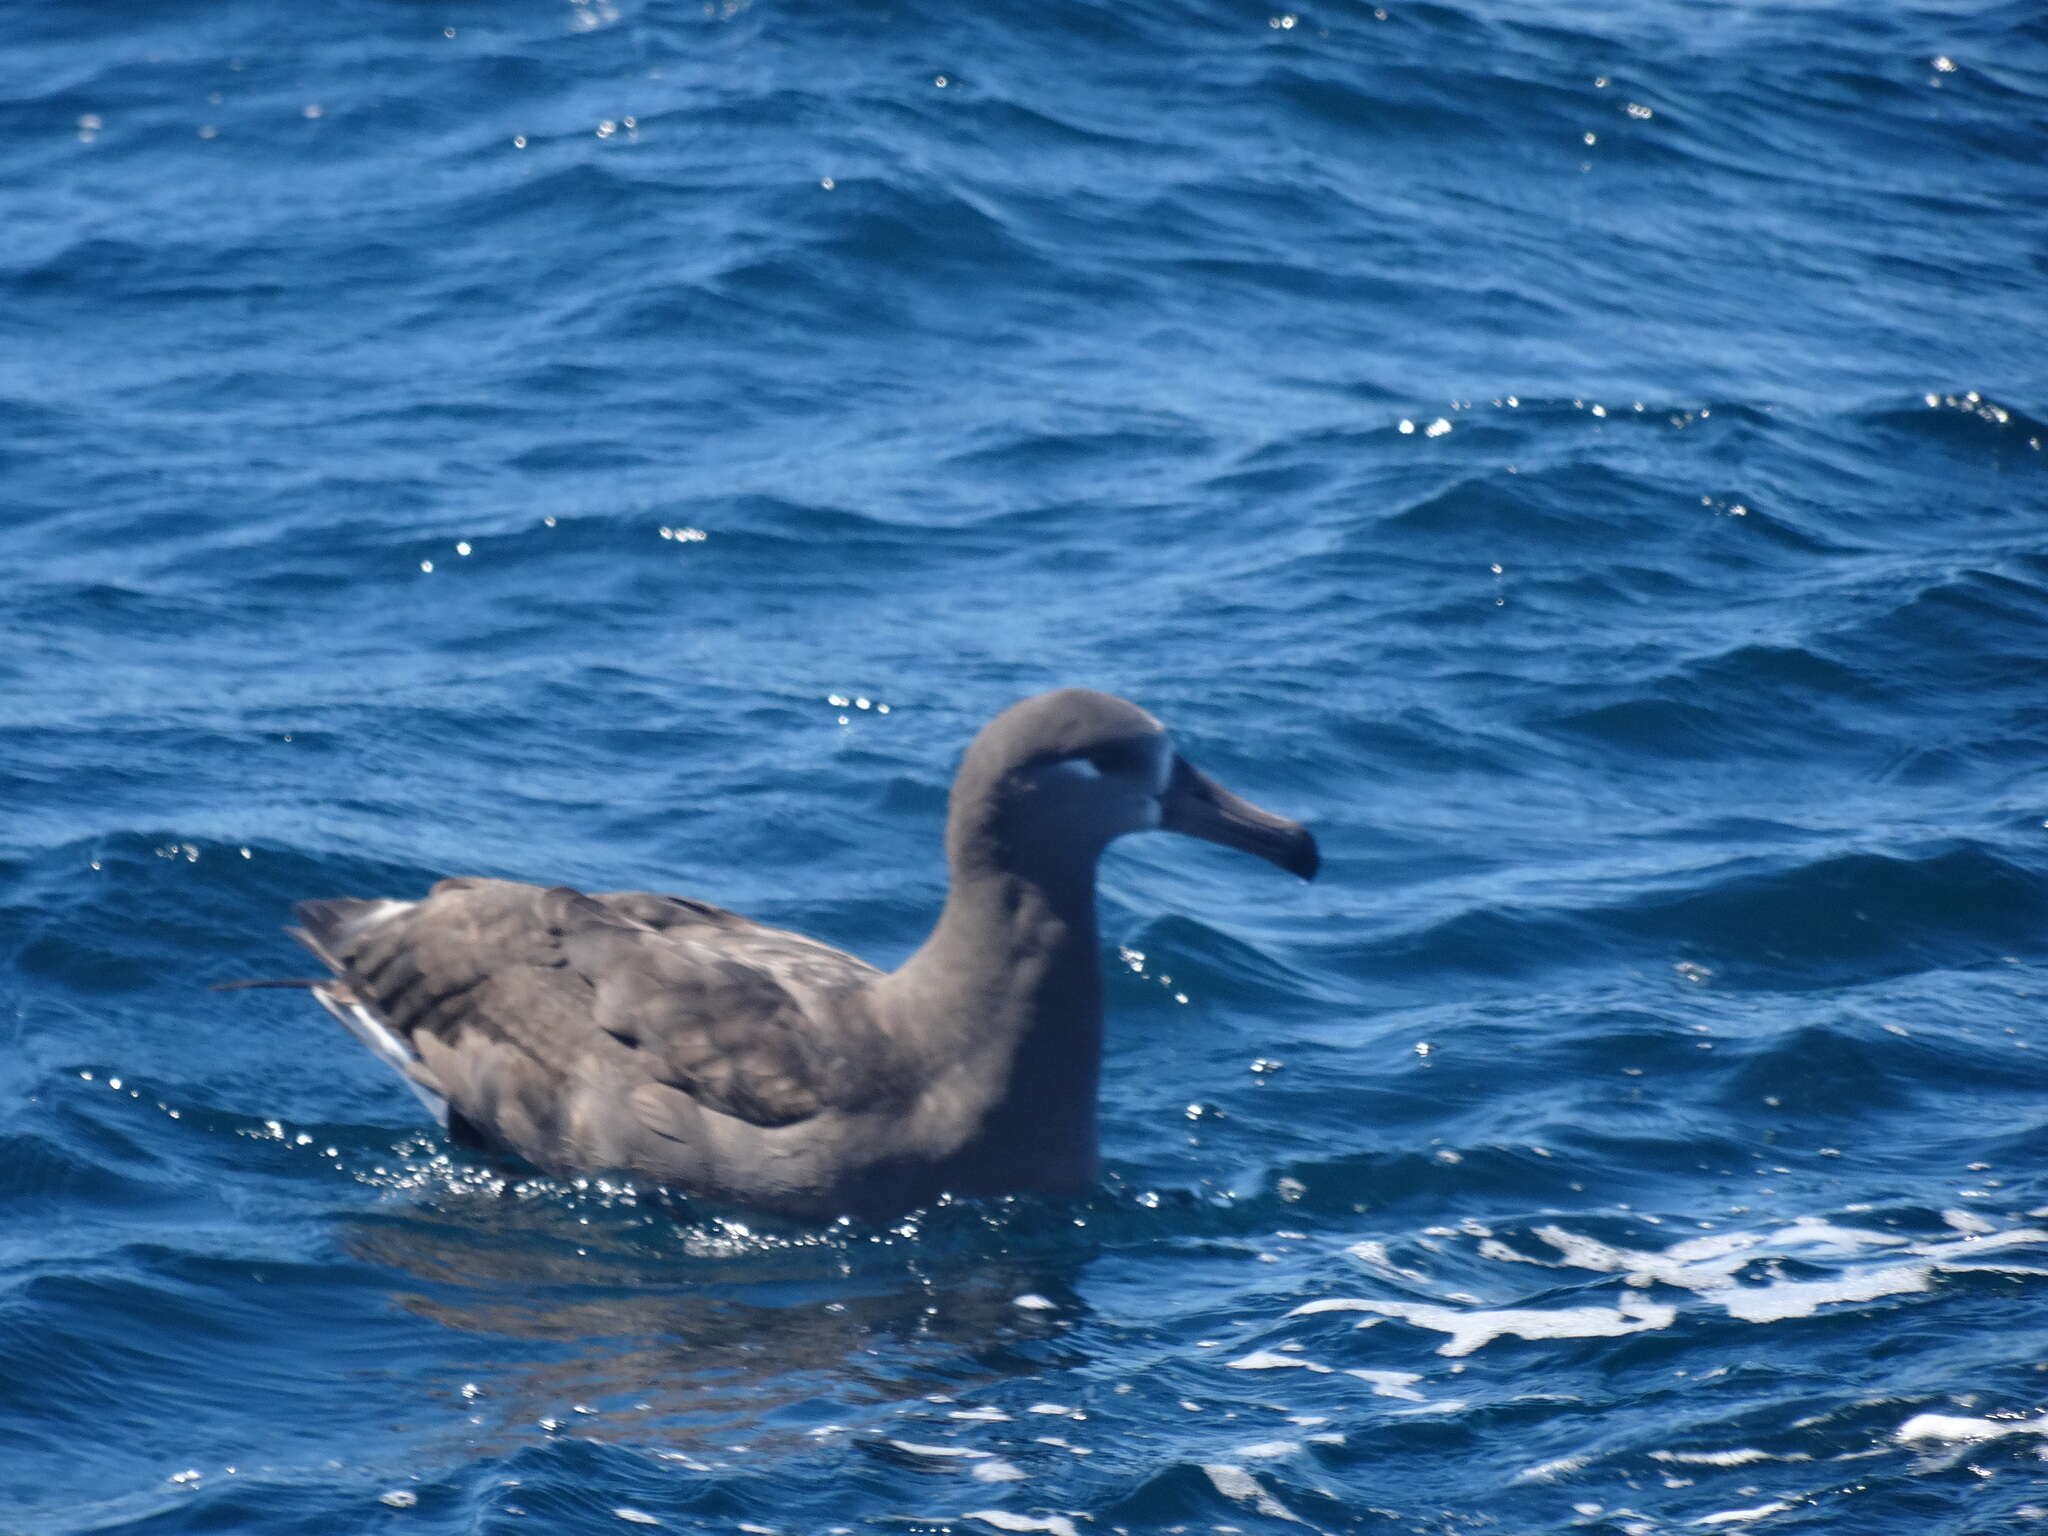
(626,1030)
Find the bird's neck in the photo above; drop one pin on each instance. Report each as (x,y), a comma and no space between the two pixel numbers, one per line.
(1015,972)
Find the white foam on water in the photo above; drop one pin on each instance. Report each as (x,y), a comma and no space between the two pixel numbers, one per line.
(1236,1483)
(1474,1330)
(1269,1360)
(1742,1457)
(1802,1298)
(1391,1383)
(1953,1429)
(1743,1516)
(2017,1236)
(1545,1471)
(1696,1264)
(955,1452)
(1710,1266)
(1003,1520)
(1376,1255)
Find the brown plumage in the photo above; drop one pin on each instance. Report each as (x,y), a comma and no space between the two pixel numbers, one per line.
(682,1044)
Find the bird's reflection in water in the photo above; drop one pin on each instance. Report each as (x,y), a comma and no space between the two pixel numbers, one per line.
(707,1335)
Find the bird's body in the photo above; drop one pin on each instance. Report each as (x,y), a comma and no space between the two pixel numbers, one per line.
(682,1044)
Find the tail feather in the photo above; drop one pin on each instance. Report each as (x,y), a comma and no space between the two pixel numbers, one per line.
(383,1043)
(329,931)
(332,923)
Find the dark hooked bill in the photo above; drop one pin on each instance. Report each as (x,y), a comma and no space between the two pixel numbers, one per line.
(1196,804)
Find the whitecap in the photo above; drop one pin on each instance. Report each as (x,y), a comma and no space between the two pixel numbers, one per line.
(1390,1383)
(1003,1520)
(1953,1429)
(955,1452)
(1268,1360)
(1236,1483)
(1545,1471)
(1473,1330)
(1802,1298)
(1742,1516)
(1710,1267)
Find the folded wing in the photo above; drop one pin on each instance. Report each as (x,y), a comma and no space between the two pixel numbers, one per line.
(499,996)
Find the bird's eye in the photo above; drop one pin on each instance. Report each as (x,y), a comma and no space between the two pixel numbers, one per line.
(1122,758)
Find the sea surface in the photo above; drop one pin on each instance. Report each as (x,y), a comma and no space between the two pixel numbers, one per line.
(1585,460)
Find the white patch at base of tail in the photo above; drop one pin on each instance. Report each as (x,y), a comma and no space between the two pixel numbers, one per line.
(381,1041)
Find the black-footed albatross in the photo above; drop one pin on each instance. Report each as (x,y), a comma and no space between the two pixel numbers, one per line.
(683,1045)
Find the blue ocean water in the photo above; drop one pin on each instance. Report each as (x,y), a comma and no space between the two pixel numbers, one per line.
(1587,461)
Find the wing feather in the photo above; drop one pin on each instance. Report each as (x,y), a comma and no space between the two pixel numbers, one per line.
(750,1021)
(506,991)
